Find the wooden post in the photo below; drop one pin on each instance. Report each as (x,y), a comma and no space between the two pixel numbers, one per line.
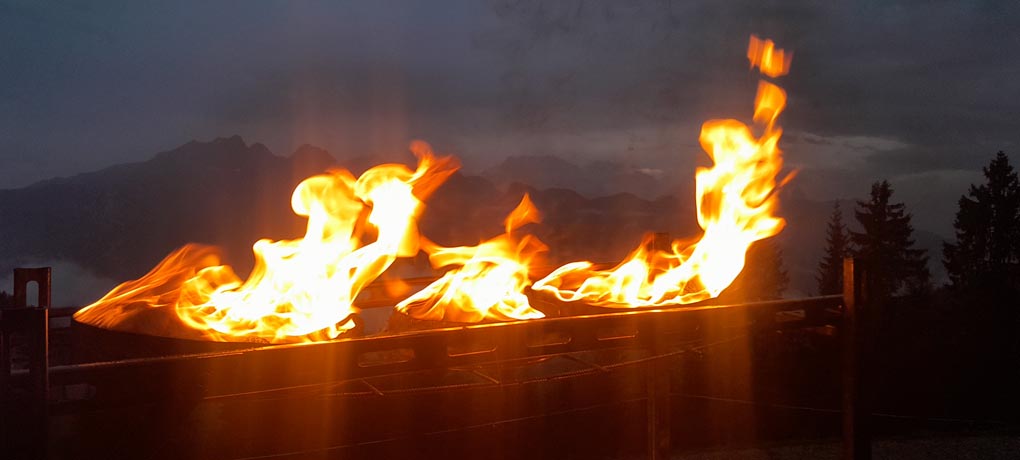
(38,325)
(657,384)
(5,374)
(34,324)
(856,411)
(659,433)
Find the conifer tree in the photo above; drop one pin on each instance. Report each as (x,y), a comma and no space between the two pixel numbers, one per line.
(987,248)
(830,269)
(885,247)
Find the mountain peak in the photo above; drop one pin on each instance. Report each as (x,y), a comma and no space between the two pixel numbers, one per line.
(233,141)
(309,159)
(308,153)
(219,150)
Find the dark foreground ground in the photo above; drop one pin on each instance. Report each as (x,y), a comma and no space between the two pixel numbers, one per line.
(767,397)
(441,427)
(772,396)
(960,446)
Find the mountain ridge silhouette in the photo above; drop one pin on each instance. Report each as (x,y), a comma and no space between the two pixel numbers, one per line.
(120,221)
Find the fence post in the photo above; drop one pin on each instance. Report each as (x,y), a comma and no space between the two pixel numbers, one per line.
(658,407)
(856,410)
(5,375)
(657,387)
(33,322)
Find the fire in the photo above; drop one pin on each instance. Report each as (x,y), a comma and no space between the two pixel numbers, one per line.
(302,289)
(305,289)
(489,281)
(764,55)
(735,204)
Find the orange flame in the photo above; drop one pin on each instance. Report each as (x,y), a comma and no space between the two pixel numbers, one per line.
(490,279)
(302,289)
(764,55)
(735,204)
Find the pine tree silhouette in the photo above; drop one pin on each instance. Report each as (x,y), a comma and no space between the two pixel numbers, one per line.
(885,247)
(830,268)
(987,249)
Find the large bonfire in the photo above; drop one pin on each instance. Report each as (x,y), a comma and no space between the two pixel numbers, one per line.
(305,289)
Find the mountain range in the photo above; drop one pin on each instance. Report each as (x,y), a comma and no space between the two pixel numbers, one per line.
(117,223)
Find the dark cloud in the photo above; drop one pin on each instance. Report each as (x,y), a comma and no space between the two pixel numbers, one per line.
(877,88)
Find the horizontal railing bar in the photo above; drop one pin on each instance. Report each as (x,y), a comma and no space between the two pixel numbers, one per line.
(203,375)
(388,341)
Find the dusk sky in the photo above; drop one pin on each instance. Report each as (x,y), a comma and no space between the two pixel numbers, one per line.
(920,93)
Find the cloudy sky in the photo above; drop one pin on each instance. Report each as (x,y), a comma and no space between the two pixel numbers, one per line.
(922,93)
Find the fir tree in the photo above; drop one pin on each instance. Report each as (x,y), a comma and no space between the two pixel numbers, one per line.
(987,249)
(830,269)
(885,247)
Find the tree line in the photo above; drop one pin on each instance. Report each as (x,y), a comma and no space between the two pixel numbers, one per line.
(982,263)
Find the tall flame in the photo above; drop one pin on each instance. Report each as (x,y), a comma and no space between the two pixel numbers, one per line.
(305,289)
(489,281)
(302,289)
(735,204)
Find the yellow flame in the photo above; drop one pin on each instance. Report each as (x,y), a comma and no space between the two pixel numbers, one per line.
(489,281)
(302,289)
(735,204)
